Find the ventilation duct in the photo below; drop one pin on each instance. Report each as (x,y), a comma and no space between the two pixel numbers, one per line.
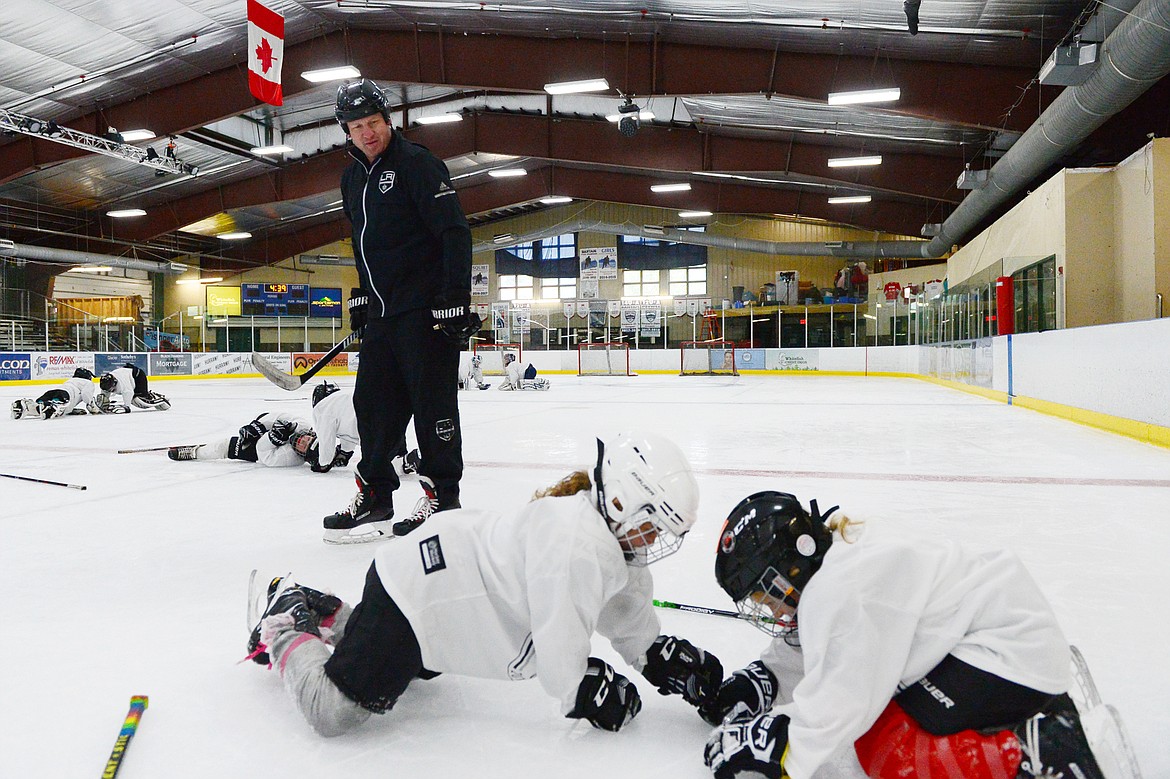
(70,257)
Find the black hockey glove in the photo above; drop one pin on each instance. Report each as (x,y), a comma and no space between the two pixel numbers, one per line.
(452,314)
(281,432)
(359,305)
(252,431)
(341,458)
(605,698)
(676,666)
(751,748)
(754,686)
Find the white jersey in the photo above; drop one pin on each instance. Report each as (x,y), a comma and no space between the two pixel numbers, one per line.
(513,376)
(268,453)
(521,596)
(80,391)
(881,613)
(125,388)
(335,423)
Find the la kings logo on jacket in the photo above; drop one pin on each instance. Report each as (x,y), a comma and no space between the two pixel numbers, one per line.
(386,182)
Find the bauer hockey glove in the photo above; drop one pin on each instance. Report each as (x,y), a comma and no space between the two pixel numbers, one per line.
(605,698)
(749,748)
(676,666)
(252,431)
(451,312)
(359,306)
(280,432)
(754,686)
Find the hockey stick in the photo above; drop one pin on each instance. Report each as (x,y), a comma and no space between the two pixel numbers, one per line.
(665,604)
(44,481)
(290,382)
(152,449)
(138,704)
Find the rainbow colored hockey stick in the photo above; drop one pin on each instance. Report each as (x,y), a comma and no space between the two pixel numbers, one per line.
(138,704)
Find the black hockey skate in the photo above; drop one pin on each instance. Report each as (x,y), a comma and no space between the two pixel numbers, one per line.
(1054,744)
(366,519)
(184,452)
(427,505)
(284,597)
(322,605)
(411,462)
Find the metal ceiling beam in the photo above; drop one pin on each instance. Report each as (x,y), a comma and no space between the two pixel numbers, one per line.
(948,92)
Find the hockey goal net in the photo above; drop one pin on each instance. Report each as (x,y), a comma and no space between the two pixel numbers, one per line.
(492,357)
(603,359)
(708,358)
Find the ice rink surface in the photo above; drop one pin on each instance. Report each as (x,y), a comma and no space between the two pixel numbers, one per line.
(137,585)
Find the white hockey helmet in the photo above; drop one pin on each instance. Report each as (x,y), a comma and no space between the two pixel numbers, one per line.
(476,360)
(509,358)
(640,478)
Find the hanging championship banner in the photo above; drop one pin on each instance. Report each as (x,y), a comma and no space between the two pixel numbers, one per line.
(589,264)
(521,318)
(570,309)
(680,306)
(614,307)
(705,304)
(589,289)
(265,53)
(651,318)
(630,315)
(484,310)
(479,280)
(608,262)
(582,308)
(693,307)
(500,322)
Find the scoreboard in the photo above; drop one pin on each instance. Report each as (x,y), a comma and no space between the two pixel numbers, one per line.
(274,300)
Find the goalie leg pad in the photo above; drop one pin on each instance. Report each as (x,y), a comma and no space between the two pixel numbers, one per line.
(896,746)
(151,400)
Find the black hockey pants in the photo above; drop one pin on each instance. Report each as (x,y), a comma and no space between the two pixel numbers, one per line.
(407,368)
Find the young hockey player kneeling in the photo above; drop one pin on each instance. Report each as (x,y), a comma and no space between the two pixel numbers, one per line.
(509,598)
(74,396)
(515,379)
(927,658)
(473,379)
(275,440)
(130,383)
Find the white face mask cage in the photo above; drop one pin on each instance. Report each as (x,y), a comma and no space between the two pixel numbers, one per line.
(773,588)
(664,542)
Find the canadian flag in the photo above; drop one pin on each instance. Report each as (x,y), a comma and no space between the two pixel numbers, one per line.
(265,53)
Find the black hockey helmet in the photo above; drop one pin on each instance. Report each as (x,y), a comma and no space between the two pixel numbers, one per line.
(107,382)
(359,99)
(770,535)
(83,373)
(322,391)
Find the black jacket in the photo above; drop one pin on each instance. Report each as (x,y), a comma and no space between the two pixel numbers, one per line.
(410,236)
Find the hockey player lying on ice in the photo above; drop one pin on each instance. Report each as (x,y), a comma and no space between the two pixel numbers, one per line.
(514,379)
(930,659)
(506,597)
(273,439)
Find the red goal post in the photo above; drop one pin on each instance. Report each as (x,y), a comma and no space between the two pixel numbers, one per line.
(708,358)
(603,359)
(492,356)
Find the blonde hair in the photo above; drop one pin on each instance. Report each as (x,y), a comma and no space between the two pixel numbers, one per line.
(848,529)
(577,481)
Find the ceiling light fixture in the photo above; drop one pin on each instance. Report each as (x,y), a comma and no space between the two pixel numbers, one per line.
(693,214)
(277,149)
(237,236)
(643,116)
(440,119)
(208,280)
(130,136)
(501,237)
(331,74)
(573,87)
(507,173)
(850,199)
(885,95)
(855,162)
(126,213)
(556,200)
(90,269)
(679,187)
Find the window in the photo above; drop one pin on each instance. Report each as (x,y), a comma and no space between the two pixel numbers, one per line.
(640,283)
(1035,296)
(688,281)
(515,288)
(559,247)
(565,289)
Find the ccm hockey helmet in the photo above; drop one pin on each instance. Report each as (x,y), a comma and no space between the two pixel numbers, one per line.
(83,373)
(644,477)
(360,99)
(108,382)
(322,391)
(771,545)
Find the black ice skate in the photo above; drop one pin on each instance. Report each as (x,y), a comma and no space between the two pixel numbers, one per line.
(366,519)
(183,452)
(284,598)
(411,462)
(322,605)
(1054,744)
(427,505)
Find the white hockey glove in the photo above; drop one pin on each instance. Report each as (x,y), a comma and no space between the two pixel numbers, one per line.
(749,748)
(605,698)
